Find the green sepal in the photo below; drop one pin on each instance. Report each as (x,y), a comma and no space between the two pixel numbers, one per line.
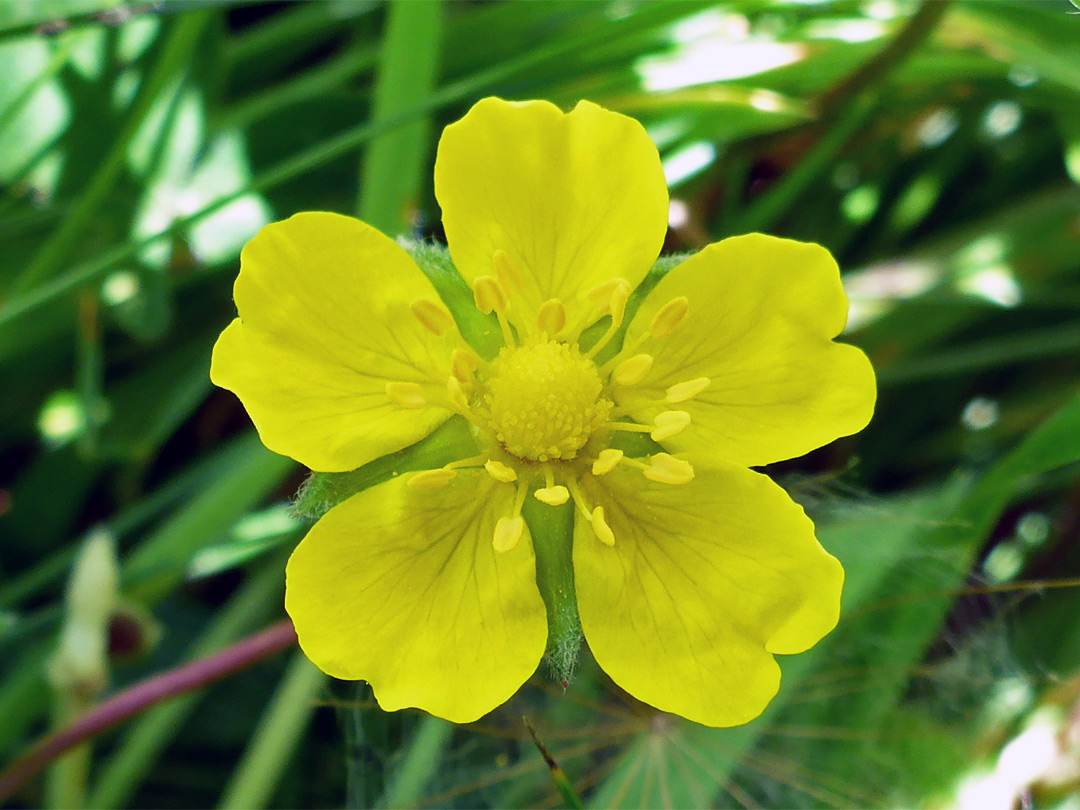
(552,529)
(481,331)
(321,492)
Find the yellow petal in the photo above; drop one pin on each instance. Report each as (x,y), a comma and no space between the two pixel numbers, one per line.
(753,361)
(325,332)
(573,200)
(403,588)
(686,592)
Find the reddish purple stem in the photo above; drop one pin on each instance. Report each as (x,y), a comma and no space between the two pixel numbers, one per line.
(143,695)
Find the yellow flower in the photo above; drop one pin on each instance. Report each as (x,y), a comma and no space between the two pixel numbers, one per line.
(691,570)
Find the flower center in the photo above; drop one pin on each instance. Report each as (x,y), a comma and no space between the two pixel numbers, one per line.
(545,400)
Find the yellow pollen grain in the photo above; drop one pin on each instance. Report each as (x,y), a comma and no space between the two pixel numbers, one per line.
(551,317)
(606,461)
(666,469)
(553,496)
(633,370)
(462,364)
(507,533)
(431,479)
(489,295)
(545,401)
(406,394)
(434,317)
(669,316)
(600,527)
(500,472)
(668,424)
(681,392)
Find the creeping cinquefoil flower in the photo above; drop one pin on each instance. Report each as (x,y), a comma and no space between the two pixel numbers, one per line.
(691,571)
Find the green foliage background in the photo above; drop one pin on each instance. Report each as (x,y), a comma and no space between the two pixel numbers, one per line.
(934,149)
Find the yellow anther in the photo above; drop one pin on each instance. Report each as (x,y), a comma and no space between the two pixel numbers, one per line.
(633,370)
(600,527)
(507,532)
(665,469)
(431,479)
(406,394)
(500,472)
(462,364)
(606,461)
(489,295)
(505,271)
(617,302)
(433,316)
(553,496)
(668,424)
(604,295)
(457,395)
(616,306)
(551,317)
(680,392)
(669,316)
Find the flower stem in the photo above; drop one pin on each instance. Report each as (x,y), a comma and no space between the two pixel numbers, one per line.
(67,778)
(144,694)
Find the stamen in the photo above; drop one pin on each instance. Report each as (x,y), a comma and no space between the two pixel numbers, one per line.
(463,364)
(434,317)
(431,479)
(606,461)
(617,307)
(505,271)
(618,302)
(633,370)
(472,461)
(601,529)
(500,472)
(489,295)
(508,529)
(604,294)
(553,496)
(507,533)
(629,427)
(681,392)
(551,317)
(579,499)
(666,469)
(457,395)
(668,424)
(669,316)
(406,394)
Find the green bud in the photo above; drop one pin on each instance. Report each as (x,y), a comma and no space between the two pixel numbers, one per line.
(80,665)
